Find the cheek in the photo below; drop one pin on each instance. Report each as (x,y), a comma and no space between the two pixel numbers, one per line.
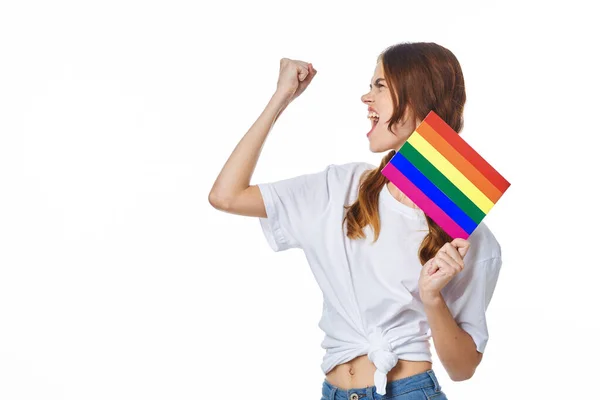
(383,125)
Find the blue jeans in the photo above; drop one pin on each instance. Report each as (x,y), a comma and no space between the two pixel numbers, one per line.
(423,386)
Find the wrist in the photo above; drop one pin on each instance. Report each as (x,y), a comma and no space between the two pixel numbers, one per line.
(431,298)
(281,98)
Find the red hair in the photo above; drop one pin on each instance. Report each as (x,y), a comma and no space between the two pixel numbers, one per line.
(426,77)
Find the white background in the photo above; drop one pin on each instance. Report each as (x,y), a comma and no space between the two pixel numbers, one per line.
(118,280)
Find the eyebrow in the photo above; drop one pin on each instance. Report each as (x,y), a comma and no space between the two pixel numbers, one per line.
(376,82)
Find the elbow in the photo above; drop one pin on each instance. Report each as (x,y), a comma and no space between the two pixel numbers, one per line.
(467,369)
(217,201)
(459,378)
(463,375)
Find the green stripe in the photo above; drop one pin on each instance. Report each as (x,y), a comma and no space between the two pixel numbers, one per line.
(442,183)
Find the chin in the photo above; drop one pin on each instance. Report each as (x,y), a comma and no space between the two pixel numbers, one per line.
(376,149)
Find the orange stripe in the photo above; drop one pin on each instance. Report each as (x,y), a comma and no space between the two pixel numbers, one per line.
(459,162)
(445,131)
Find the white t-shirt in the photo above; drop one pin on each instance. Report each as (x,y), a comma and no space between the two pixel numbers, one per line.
(371,302)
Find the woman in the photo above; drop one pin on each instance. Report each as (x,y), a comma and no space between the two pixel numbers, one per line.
(391,277)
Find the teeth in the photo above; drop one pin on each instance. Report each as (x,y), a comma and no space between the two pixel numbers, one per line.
(373,115)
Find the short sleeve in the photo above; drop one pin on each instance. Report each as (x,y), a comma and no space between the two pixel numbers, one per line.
(469,296)
(292,206)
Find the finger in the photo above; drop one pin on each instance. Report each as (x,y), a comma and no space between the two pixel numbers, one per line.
(430,266)
(426,266)
(302,63)
(460,242)
(462,246)
(311,74)
(302,72)
(450,250)
(458,266)
(302,67)
(433,267)
(445,267)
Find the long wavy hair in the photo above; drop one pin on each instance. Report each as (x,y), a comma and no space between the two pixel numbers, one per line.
(426,77)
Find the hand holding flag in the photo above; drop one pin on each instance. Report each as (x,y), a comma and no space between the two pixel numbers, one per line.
(438,271)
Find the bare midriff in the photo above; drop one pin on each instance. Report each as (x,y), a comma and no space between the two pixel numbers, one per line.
(359,372)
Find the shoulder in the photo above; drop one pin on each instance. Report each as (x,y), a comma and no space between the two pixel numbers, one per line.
(350,169)
(348,175)
(344,179)
(484,245)
(353,166)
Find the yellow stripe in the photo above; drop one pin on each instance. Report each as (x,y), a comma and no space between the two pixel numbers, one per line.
(450,172)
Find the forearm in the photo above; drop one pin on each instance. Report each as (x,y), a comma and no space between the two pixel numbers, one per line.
(454,347)
(236,173)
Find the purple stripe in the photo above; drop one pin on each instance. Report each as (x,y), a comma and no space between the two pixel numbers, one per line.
(423,202)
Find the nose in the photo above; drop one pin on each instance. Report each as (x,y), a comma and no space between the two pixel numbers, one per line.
(365,98)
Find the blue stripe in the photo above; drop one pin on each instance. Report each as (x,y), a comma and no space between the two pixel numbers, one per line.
(432,191)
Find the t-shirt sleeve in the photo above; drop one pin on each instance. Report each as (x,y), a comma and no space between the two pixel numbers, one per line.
(469,297)
(292,205)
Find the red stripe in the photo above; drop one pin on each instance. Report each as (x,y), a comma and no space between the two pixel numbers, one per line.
(460,163)
(450,135)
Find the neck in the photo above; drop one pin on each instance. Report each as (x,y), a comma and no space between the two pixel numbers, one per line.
(401,197)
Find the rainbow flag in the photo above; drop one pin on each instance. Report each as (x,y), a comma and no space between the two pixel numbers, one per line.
(445,177)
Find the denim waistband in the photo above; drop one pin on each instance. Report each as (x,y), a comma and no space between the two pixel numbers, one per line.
(393,388)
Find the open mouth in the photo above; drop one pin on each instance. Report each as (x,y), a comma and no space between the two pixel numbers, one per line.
(374,122)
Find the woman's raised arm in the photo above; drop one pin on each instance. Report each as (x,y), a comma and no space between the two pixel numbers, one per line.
(232,191)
